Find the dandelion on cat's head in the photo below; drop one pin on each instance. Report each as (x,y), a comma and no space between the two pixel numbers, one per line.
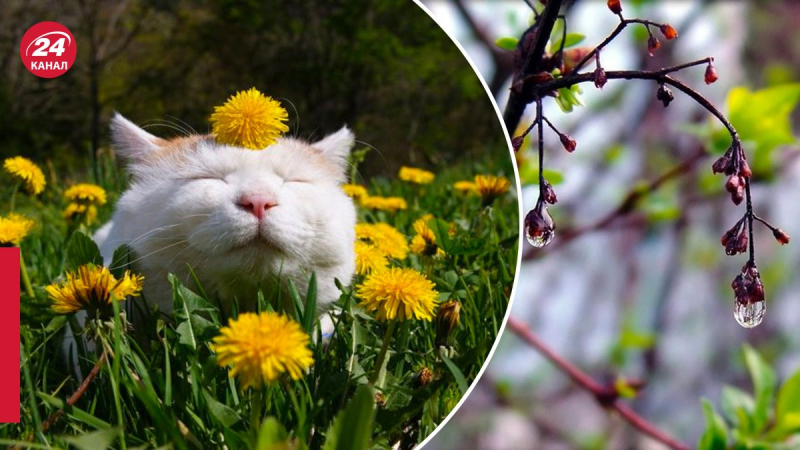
(86,193)
(369,258)
(92,288)
(391,204)
(491,187)
(355,191)
(27,172)
(415,175)
(14,228)
(249,119)
(424,242)
(80,212)
(384,236)
(259,348)
(398,294)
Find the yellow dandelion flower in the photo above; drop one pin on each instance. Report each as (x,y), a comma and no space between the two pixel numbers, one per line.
(249,119)
(391,204)
(260,347)
(355,191)
(447,320)
(490,187)
(86,193)
(92,288)
(369,258)
(424,242)
(384,236)
(27,172)
(465,186)
(398,293)
(14,228)
(414,175)
(75,211)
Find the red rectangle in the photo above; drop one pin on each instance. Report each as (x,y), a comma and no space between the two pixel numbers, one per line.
(9,335)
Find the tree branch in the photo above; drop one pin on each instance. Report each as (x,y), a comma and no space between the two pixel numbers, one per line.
(607,397)
(517,101)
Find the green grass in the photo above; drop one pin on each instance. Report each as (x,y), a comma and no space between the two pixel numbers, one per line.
(163,386)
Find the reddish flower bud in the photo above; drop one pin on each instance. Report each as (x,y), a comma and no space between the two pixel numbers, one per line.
(573,56)
(664,95)
(721,165)
(568,143)
(653,44)
(744,169)
(738,196)
(741,242)
(600,78)
(729,235)
(711,74)
(549,194)
(668,31)
(516,143)
(780,236)
(733,184)
(615,6)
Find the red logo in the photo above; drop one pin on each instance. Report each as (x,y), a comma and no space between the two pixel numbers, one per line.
(48,49)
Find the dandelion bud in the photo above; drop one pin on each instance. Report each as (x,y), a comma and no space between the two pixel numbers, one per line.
(568,143)
(447,320)
(539,226)
(600,77)
(664,95)
(424,377)
(668,31)
(744,169)
(653,44)
(549,194)
(615,6)
(711,74)
(516,143)
(380,399)
(780,236)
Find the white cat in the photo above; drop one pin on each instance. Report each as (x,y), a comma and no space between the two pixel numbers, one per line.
(237,217)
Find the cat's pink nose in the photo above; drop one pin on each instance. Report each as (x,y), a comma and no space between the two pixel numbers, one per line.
(257,204)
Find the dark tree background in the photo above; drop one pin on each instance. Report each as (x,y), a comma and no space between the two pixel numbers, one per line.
(384,68)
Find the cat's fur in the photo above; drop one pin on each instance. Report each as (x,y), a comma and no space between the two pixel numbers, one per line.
(183,209)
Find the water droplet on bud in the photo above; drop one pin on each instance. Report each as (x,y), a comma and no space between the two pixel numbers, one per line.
(539,226)
(749,314)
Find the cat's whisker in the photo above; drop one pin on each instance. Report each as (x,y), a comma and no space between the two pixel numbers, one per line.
(296,114)
(186,125)
(149,254)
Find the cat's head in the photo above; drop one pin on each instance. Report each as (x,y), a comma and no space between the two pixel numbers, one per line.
(234,209)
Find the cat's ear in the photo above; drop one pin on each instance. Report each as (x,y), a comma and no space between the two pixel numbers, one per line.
(129,140)
(336,147)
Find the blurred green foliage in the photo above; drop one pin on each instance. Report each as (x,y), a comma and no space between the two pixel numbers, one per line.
(383,68)
(757,421)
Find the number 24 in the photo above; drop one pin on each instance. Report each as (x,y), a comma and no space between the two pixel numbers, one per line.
(42,43)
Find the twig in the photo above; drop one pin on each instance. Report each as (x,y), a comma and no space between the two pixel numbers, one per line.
(625,206)
(77,394)
(607,397)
